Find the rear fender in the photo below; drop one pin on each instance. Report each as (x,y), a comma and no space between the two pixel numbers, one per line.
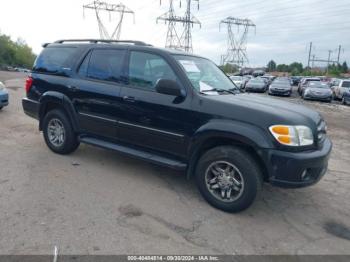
(52,97)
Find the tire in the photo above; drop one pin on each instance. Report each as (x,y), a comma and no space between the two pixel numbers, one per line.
(247,172)
(68,142)
(1,107)
(343,101)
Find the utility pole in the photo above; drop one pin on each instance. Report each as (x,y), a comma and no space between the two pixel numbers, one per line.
(236,50)
(329,59)
(339,50)
(172,37)
(99,7)
(310,50)
(189,20)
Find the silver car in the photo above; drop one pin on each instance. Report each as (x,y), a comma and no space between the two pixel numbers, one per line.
(318,91)
(4,96)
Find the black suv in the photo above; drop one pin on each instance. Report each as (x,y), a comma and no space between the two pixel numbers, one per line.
(177,110)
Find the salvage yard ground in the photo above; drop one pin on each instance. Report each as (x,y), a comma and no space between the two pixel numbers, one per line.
(99,202)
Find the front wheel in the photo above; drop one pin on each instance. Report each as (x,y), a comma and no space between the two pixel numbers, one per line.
(228,178)
(343,101)
(58,133)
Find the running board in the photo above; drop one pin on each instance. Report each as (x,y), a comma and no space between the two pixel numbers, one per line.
(136,153)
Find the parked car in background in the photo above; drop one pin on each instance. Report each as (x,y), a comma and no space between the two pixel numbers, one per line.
(280,87)
(341,91)
(256,85)
(304,82)
(318,91)
(258,72)
(269,78)
(295,80)
(4,96)
(238,81)
(245,80)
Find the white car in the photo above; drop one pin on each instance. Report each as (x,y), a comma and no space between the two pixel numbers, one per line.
(341,89)
(237,80)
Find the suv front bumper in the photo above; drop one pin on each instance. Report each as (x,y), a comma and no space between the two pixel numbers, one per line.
(297,169)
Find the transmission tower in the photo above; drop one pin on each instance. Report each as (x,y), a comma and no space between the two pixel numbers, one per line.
(172,37)
(237,43)
(99,7)
(189,20)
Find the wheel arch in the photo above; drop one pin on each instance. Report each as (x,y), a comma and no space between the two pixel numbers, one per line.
(55,100)
(244,136)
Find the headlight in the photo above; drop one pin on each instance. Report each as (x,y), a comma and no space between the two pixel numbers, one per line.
(292,135)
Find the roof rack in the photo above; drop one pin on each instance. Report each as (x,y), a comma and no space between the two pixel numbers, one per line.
(96,41)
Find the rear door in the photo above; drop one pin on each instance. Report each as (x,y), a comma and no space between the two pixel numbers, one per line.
(149,119)
(96,92)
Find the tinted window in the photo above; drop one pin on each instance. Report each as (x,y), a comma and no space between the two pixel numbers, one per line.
(106,65)
(56,60)
(145,69)
(84,66)
(346,84)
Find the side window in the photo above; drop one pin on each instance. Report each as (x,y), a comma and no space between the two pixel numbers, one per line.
(145,69)
(84,65)
(106,65)
(54,60)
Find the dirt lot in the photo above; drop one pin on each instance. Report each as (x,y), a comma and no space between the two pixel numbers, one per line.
(99,202)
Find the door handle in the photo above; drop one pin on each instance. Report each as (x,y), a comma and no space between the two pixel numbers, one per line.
(129,99)
(73,88)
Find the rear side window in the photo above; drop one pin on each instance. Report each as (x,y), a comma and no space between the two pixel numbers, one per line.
(104,65)
(346,84)
(145,69)
(55,60)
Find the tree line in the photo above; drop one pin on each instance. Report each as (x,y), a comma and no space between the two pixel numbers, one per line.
(298,68)
(15,53)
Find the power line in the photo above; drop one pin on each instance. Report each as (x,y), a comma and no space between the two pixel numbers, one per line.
(189,20)
(172,38)
(98,7)
(236,51)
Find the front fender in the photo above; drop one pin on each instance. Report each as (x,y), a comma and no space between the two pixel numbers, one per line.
(240,132)
(52,97)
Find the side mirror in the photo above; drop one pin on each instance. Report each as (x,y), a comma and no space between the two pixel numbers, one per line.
(169,87)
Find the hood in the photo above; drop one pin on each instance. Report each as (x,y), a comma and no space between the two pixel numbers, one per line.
(257,85)
(261,111)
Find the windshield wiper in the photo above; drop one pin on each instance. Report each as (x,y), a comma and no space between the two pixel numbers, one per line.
(219,91)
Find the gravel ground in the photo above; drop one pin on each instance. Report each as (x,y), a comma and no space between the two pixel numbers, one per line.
(99,202)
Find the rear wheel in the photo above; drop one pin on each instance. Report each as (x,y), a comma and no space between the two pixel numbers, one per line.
(228,178)
(58,132)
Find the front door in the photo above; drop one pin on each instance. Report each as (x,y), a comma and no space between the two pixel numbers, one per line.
(156,121)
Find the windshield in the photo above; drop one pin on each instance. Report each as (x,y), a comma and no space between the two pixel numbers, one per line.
(204,74)
(318,85)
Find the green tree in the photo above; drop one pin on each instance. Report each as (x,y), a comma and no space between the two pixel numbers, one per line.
(271,66)
(344,67)
(15,53)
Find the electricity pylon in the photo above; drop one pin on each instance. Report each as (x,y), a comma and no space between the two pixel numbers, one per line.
(172,37)
(237,43)
(98,7)
(189,20)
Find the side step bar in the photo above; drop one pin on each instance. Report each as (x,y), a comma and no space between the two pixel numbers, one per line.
(136,153)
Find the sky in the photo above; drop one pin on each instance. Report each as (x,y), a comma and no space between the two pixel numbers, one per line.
(284,28)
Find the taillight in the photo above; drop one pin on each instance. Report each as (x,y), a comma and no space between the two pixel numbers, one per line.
(29,83)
